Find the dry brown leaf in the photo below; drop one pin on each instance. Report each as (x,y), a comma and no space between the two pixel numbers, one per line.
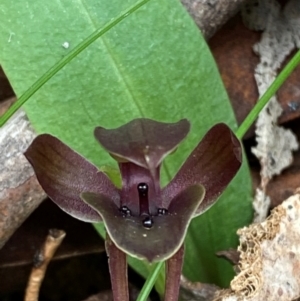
(274,143)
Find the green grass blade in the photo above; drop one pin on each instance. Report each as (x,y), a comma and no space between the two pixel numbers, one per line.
(150,282)
(280,79)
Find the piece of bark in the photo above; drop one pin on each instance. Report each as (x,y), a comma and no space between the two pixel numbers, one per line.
(20,192)
(210,15)
(270,257)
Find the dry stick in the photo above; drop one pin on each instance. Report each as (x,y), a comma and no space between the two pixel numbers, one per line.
(196,290)
(41,261)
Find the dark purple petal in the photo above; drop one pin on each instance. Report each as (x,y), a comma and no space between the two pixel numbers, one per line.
(64,174)
(144,142)
(213,164)
(160,241)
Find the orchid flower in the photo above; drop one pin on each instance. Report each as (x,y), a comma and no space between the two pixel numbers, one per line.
(142,219)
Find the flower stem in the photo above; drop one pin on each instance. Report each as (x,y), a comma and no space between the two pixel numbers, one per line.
(280,79)
(64,61)
(173,274)
(118,271)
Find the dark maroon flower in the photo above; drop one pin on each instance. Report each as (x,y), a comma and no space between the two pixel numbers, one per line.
(142,219)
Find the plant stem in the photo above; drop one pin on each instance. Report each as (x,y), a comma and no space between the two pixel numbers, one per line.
(280,79)
(150,282)
(118,271)
(173,275)
(71,55)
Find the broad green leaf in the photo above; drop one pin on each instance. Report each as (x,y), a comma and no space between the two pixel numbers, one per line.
(154,64)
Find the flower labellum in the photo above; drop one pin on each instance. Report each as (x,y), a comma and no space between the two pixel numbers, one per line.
(142,219)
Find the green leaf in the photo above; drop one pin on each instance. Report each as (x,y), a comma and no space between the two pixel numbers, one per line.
(153,64)
(66,59)
(215,230)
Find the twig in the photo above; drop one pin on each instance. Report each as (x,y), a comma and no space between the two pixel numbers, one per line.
(41,261)
(197,290)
